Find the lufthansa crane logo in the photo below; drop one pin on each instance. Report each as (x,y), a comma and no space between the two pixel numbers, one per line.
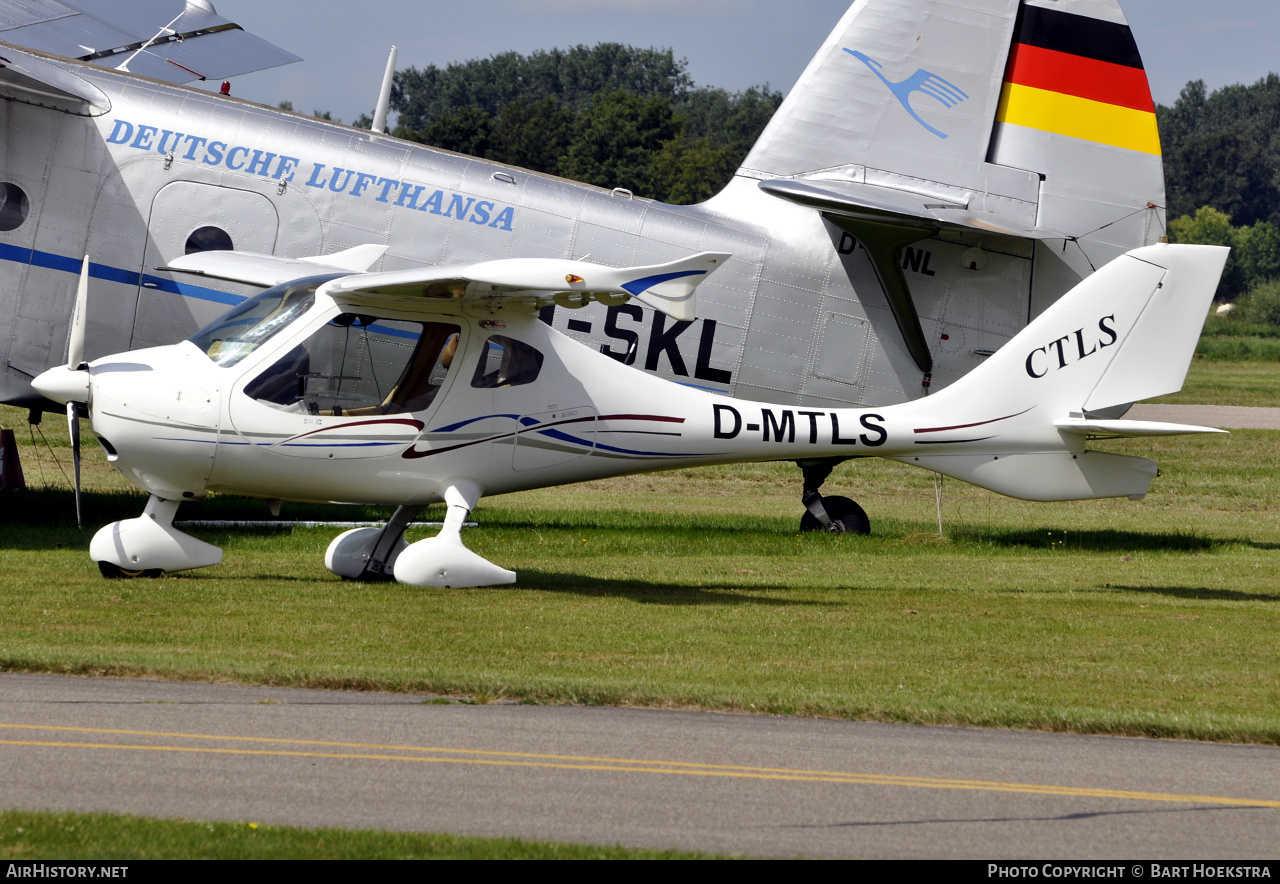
(921,81)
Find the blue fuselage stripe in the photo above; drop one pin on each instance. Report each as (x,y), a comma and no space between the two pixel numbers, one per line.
(49,260)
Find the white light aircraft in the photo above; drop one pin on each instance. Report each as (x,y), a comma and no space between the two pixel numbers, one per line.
(440,384)
(943,172)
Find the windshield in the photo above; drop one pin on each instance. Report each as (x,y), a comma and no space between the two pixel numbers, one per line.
(236,334)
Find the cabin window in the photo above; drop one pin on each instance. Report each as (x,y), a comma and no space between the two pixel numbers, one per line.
(506,362)
(359,364)
(13,207)
(247,327)
(209,239)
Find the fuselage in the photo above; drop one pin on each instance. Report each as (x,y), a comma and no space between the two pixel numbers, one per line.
(320,407)
(796,316)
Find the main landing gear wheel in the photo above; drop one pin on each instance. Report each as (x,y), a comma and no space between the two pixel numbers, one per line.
(845,515)
(112,571)
(834,515)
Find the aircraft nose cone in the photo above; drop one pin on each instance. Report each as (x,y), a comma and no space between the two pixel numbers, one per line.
(63,385)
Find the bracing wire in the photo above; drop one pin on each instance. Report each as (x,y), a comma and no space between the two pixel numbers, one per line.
(937,491)
(51,454)
(43,481)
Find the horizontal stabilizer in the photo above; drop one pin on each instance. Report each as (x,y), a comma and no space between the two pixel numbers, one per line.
(251,268)
(1128,429)
(668,288)
(1024,118)
(870,202)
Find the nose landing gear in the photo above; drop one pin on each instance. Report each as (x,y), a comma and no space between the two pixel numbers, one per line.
(835,515)
(149,545)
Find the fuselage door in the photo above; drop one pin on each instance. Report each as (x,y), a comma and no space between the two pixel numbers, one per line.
(186,217)
(359,386)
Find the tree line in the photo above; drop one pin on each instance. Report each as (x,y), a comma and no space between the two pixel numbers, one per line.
(1222,172)
(621,116)
(609,115)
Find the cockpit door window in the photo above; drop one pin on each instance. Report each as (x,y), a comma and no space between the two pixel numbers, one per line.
(506,362)
(360,364)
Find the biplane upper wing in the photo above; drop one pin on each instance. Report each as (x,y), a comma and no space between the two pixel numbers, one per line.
(171,40)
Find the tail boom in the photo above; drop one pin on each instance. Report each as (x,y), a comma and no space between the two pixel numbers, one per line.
(1049,475)
(1019,424)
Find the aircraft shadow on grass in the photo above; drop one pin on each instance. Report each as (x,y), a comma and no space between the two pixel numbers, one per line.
(41,518)
(1065,818)
(1101,540)
(1200,593)
(648,592)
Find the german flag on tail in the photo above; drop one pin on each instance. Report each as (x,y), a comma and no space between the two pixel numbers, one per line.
(1080,77)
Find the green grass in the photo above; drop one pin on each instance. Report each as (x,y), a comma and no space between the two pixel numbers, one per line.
(1239,349)
(694,588)
(1231,339)
(1230,383)
(1231,326)
(112,838)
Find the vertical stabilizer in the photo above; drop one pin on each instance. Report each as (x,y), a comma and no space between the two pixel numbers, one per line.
(1126,333)
(906,91)
(1076,108)
(1025,118)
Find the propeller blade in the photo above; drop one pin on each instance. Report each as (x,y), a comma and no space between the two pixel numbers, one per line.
(75,337)
(73,424)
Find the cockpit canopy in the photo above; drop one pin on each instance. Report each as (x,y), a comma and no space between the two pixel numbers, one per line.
(356,363)
(237,333)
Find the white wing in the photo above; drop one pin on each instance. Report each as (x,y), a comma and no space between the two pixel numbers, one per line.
(668,288)
(252,268)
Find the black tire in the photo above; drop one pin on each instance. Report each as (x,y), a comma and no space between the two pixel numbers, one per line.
(112,571)
(846,517)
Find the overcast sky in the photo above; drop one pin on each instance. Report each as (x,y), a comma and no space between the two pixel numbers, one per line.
(729,43)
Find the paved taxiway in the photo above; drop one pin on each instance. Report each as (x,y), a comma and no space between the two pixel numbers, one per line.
(702,781)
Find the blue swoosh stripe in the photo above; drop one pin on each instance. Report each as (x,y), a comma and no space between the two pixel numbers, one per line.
(640,286)
(565,437)
(340,445)
(475,420)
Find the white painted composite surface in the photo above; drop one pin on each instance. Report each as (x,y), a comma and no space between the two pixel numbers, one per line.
(1232,417)
(738,784)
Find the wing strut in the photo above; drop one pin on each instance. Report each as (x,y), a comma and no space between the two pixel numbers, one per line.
(883,243)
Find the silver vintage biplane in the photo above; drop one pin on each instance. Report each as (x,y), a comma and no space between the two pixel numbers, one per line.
(942,174)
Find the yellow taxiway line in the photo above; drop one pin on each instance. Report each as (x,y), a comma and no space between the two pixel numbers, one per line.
(376,752)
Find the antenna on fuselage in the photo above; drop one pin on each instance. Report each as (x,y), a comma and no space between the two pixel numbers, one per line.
(384,96)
